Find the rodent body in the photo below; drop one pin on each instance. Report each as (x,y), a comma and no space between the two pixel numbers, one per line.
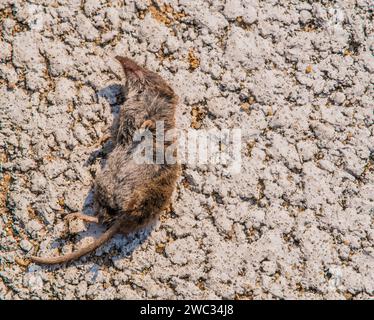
(127,195)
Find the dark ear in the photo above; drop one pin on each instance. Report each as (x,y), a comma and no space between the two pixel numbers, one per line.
(131,68)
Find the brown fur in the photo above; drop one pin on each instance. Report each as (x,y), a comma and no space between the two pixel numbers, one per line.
(127,195)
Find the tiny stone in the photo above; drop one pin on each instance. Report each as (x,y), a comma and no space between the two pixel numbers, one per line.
(250,15)
(339,98)
(26,245)
(305,16)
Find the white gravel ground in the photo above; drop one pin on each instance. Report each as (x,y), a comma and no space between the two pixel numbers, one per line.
(296,77)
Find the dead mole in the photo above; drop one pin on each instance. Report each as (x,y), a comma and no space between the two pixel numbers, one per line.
(127,195)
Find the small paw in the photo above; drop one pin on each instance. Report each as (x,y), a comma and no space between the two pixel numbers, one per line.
(71,216)
(148,124)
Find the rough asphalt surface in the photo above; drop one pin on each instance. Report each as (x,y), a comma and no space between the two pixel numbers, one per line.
(295,76)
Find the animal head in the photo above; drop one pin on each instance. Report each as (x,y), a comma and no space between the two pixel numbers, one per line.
(140,79)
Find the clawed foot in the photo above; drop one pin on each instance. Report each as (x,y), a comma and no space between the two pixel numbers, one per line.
(84,217)
(148,125)
(103,139)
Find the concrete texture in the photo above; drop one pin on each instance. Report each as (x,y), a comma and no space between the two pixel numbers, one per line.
(296,77)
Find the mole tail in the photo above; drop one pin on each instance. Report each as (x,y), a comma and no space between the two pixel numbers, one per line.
(107,235)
